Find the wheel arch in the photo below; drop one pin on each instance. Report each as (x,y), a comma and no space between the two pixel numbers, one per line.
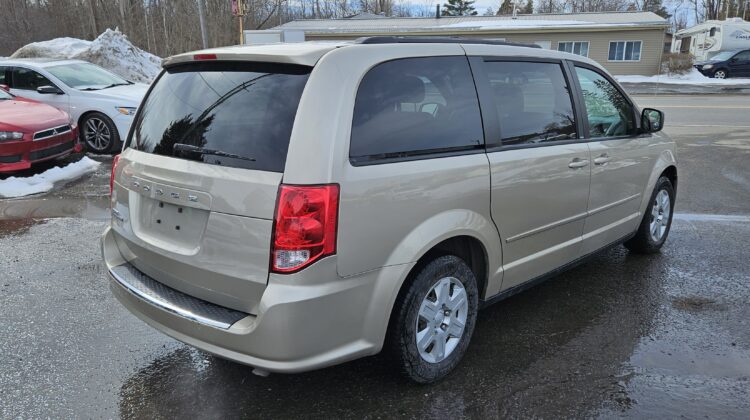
(666,164)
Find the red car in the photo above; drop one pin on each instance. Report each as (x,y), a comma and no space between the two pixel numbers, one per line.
(32,132)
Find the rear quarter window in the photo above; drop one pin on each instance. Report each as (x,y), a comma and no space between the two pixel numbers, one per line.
(415,106)
(243,109)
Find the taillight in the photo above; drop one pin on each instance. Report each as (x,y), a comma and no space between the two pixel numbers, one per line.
(112,175)
(304,227)
(199,57)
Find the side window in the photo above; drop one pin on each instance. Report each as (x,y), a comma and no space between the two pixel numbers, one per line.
(575,47)
(416,106)
(625,51)
(3,77)
(533,102)
(608,111)
(28,79)
(743,56)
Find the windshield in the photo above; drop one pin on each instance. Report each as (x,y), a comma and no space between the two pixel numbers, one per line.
(241,109)
(724,55)
(86,76)
(5,95)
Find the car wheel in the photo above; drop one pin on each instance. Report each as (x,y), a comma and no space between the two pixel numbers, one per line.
(434,319)
(720,74)
(657,221)
(99,133)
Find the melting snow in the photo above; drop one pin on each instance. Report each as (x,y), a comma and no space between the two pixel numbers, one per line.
(694,77)
(43,182)
(508,23)
(110,50)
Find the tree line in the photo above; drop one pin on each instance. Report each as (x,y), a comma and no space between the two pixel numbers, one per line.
(166,27)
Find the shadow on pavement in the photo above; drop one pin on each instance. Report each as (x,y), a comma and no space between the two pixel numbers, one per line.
(555,350)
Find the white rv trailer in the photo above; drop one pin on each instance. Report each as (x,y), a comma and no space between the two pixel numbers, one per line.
(711,37)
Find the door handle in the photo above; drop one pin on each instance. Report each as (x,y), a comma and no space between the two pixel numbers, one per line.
(601,160)
(578,163)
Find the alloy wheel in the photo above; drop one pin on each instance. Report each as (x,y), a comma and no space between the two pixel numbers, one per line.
(660,211)
(441,320)
(97,134)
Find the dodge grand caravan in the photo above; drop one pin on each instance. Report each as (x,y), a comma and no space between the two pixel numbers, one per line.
(295,206)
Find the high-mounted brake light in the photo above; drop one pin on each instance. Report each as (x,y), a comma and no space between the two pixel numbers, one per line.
(115,160)
(198,57)
(304,227)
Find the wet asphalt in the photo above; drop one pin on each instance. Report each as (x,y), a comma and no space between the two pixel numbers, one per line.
(622,335)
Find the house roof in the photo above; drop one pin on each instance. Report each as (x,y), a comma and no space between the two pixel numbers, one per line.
(465,24)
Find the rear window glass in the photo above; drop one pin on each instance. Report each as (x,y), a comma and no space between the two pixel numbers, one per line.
(229,114)
(416,106)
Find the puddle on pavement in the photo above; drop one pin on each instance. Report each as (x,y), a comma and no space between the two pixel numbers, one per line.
(92,208)
(17,216)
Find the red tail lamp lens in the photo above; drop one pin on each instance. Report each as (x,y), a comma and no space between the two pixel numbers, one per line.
(305,226)
(115,160)
(199,57)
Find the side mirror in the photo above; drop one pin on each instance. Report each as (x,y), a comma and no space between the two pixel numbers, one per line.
(5,88)
(652,120)
(49,90)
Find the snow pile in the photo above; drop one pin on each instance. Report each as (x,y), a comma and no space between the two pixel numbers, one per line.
(43,182)
(110,50)
(694,77)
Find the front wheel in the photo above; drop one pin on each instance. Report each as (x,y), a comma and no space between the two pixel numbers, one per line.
(654,228)
(434,319)
(99,133)
(720,74)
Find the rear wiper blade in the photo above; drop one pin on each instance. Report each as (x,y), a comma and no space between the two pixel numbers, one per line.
(182,147)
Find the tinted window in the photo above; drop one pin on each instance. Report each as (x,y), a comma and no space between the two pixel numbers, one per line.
(608,111)
(533,102)
(3,78)
(743,56)
(245,109)
(85,76)
(28,79)
(415,106)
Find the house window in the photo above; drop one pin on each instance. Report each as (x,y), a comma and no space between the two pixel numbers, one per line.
(625,51)
(575,47)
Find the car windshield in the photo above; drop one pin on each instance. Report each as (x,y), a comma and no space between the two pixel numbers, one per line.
(5,95)
(86,76)
(724,55)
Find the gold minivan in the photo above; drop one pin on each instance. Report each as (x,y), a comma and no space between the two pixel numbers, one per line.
(296,206)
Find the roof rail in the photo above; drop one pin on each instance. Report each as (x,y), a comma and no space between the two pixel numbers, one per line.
(436,40)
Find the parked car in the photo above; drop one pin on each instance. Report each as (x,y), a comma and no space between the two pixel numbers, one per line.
(31,132)
(726,64)
(99,101)
(296,206)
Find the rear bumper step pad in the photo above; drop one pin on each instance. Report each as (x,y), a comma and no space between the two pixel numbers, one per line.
(171,300)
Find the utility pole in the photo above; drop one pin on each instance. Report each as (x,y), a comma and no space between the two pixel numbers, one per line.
(202,18)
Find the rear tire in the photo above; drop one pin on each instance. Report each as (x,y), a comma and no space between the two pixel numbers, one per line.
(99,134)
(656,223)
(433,320)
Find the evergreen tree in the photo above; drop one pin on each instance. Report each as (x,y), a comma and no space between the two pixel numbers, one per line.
(459,8)
(529,8)
(506,8)
(657,7)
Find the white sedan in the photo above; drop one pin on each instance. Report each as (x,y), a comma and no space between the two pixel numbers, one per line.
(100,102)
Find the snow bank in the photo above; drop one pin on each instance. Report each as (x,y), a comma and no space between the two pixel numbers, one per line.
(110,50)
(694,77)
(43,182)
